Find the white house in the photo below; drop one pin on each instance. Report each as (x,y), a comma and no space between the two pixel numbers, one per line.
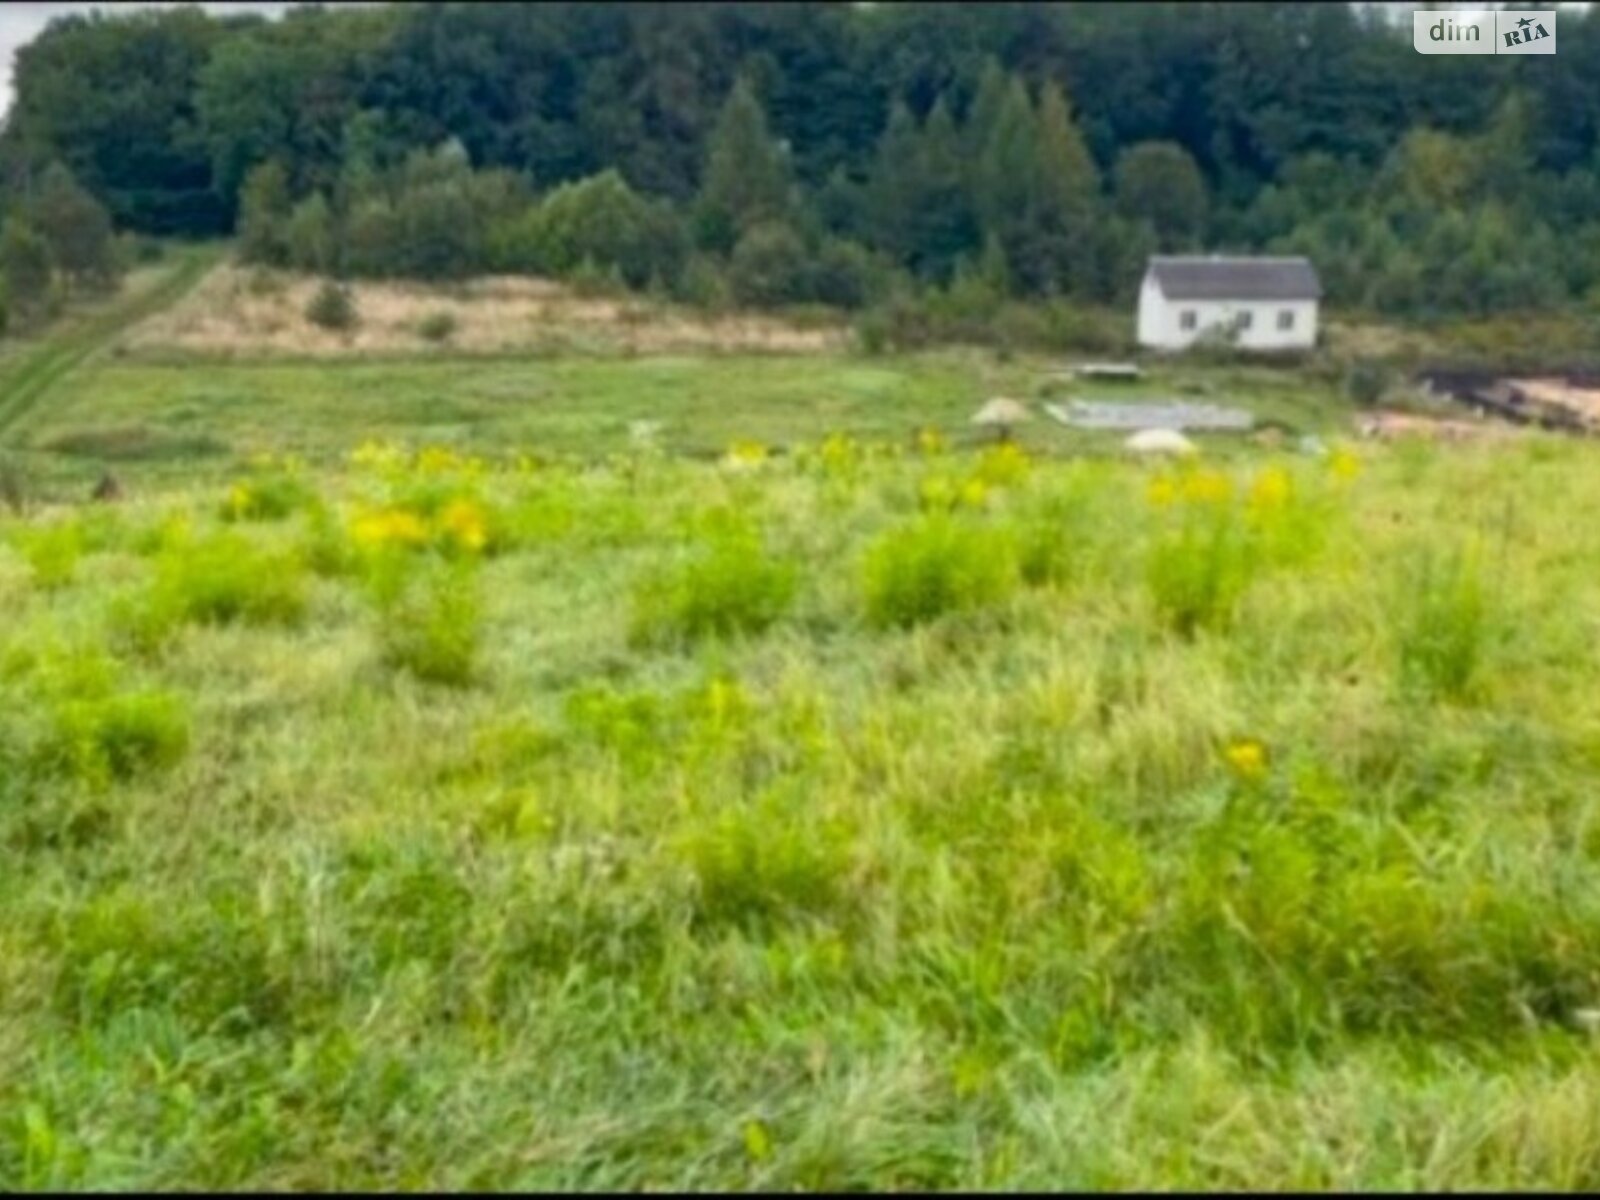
(1270,302)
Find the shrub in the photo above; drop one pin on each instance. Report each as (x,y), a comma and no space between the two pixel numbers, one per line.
(701,284)
(311,239)
(332,307)
(53,553)
(1076,328)
(217,581)
(113,738)
(1444,623)
(437,232)
(327,549)
(271,498)
(263,281)
(264,207)
(1366,382)
(437,327)
(873,332)
(843,275)
(372,238)
(1044,551)
(727,587)
(769,267)
(25,268)
(934,565)
(599,220)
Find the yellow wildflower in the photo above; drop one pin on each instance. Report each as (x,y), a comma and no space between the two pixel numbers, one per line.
(974,493)
(1207,487)
(1343,465)
(837,450)
(463,521)
(1271,489)
(1003,464)
(374,454)
(391,526)
(1248,758)
(930,441)
(238,502)
(757,1141)
(436,460)
(1162,492)
(743,453)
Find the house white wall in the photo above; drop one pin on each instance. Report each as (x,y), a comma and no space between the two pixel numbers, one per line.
(1161,320)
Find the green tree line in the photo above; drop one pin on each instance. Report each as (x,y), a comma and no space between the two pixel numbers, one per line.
(835,153)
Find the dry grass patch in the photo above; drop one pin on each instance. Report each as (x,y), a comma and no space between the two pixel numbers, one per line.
(243,311)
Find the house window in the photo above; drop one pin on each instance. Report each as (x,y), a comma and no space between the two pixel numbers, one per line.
(1285,319)
(1186,319)
(1246,318)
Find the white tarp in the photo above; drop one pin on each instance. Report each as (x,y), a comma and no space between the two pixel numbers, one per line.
(1150,414)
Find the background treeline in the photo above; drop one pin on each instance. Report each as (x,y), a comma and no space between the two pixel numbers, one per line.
(940,157)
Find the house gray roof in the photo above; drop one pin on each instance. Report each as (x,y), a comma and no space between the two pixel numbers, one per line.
(1217,278)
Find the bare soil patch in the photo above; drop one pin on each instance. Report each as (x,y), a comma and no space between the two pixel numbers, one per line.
(244,312)
(1388,426)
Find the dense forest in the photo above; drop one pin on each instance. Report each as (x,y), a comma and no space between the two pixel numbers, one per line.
(775,154)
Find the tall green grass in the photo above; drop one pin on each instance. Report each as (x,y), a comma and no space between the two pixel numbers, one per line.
(913,847)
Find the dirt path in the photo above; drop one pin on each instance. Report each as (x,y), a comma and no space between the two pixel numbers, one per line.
(46,364)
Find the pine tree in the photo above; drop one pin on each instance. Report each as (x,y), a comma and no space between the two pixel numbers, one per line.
(1065,202)
(1004,184)
(895,190)
(747,178)
(948,230)
(983,114)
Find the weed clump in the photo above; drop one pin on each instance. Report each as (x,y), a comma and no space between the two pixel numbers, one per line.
(219,580)
(429,618)
(81,723)
(934,565)
(1201,561)
(765,867)
(728,586)
(272,497)
(1445,623)
(106,739)
(53,553)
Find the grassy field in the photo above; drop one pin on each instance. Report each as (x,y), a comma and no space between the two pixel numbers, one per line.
(31,367)
(478,798)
